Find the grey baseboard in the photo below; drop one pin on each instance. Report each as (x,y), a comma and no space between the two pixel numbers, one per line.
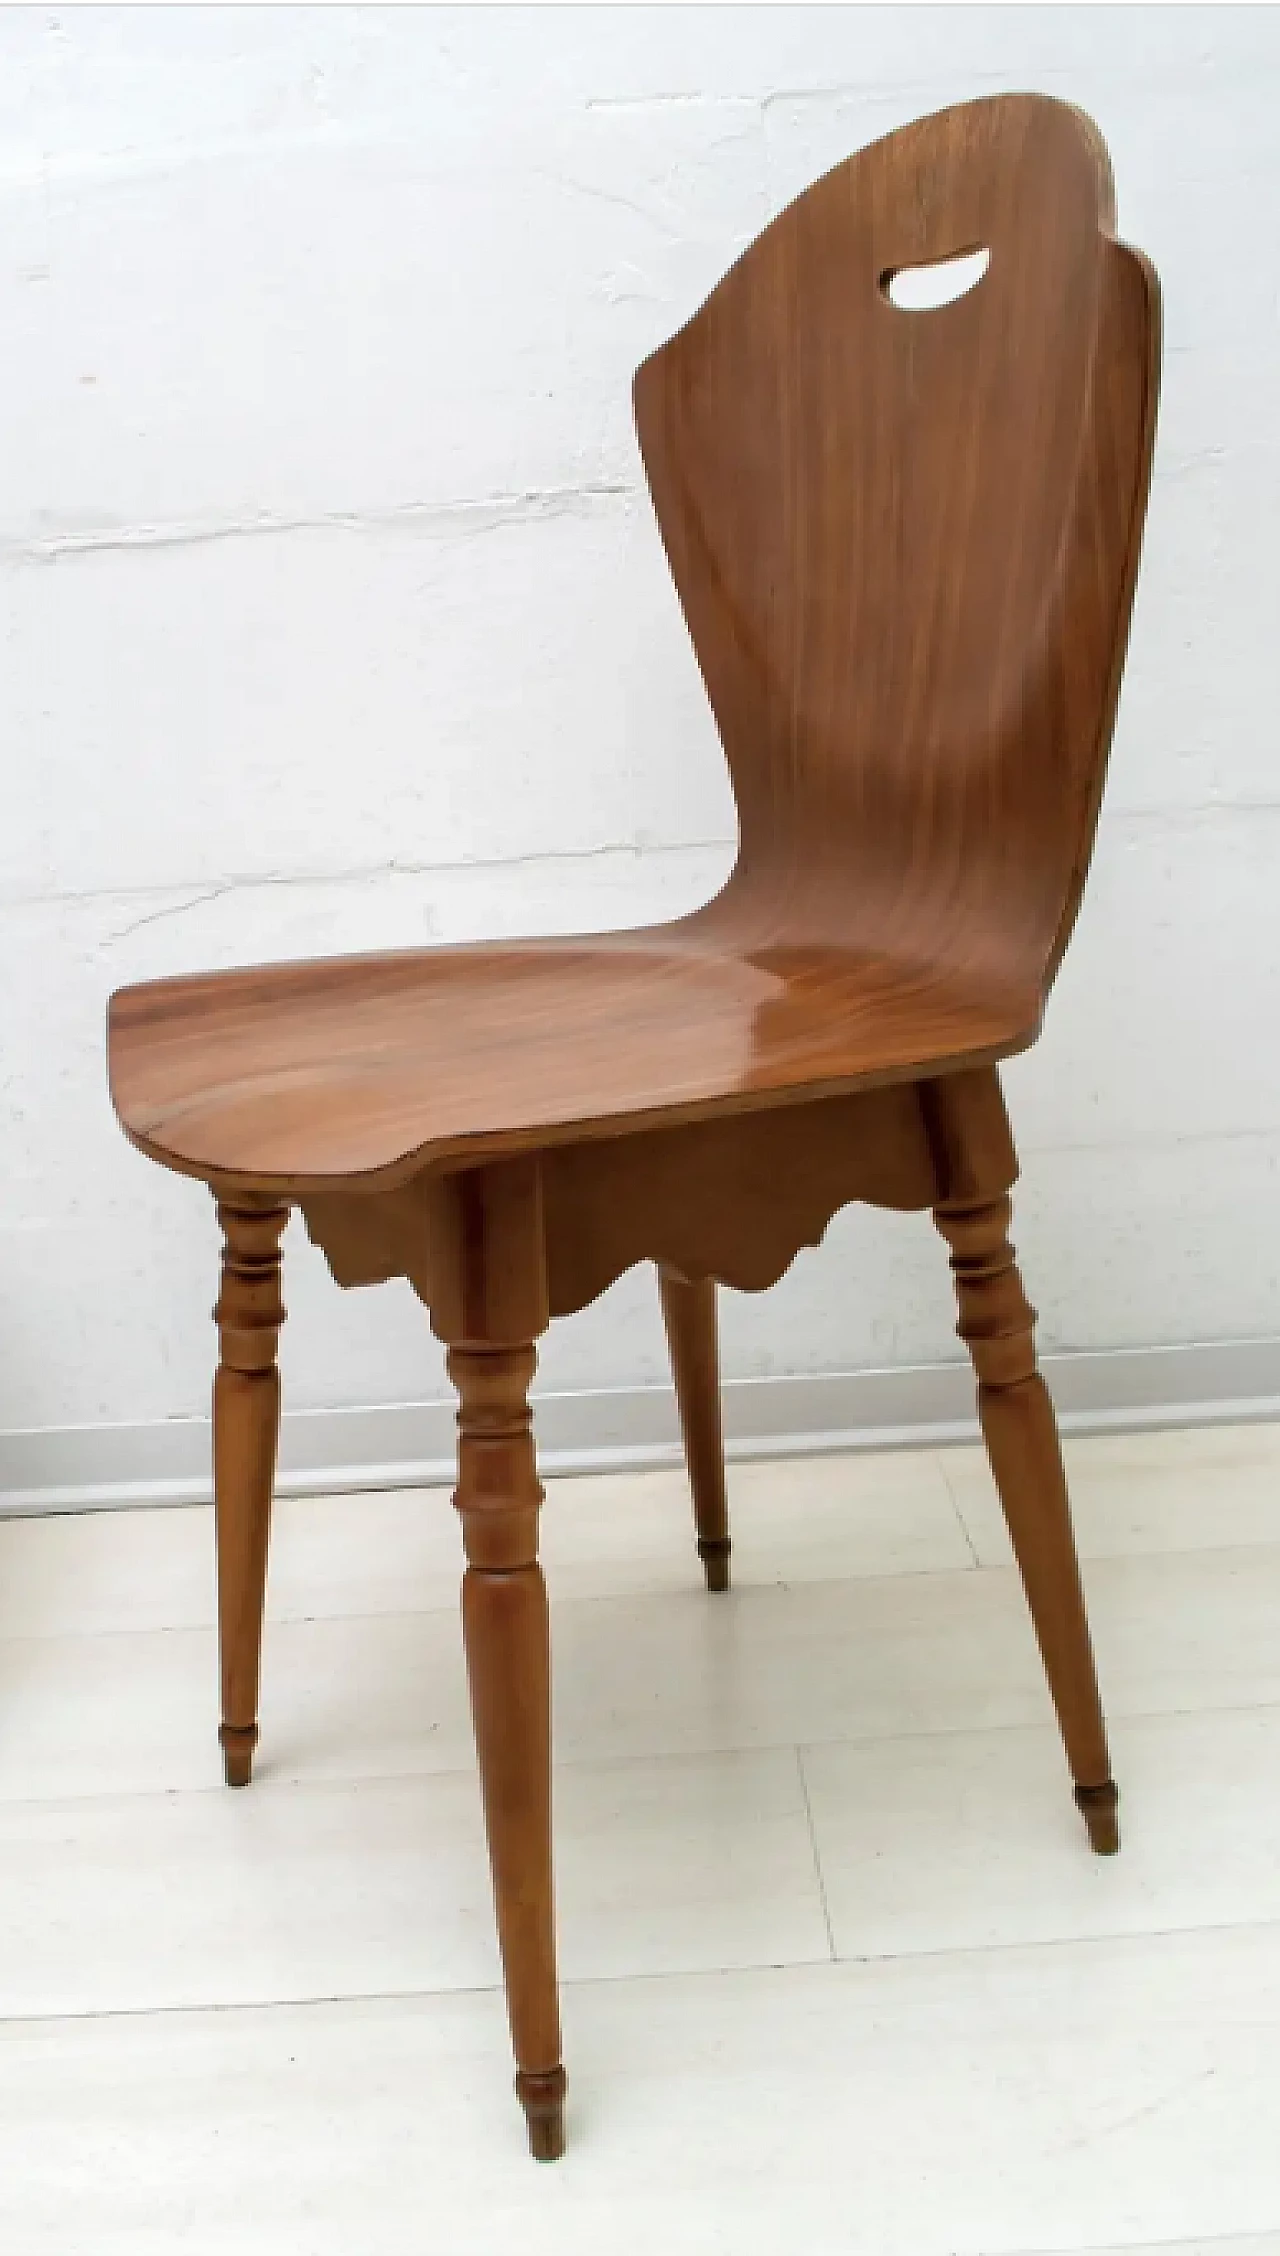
(410,1444)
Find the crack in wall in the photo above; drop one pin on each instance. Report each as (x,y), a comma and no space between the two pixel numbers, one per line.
(463,519)
(171,909)
(363,875)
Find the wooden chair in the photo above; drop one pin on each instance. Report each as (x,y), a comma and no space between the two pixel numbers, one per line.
(905,545)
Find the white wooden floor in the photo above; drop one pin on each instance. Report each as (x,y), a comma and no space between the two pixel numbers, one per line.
(840,1972)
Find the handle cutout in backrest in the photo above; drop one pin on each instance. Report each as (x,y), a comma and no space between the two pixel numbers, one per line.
(919,289)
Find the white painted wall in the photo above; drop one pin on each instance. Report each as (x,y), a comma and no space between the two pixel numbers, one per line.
(334,616)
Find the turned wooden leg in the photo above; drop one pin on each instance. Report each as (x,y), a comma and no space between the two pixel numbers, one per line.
(246,1422)
(490,1304)
(689,1313)
(1021,1435)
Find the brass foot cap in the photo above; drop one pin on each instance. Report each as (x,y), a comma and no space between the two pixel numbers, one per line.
(542,2098)
(1098,1807)
(713,1550)
(237,1752)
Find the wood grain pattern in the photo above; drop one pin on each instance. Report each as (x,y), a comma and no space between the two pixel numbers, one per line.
(905,545)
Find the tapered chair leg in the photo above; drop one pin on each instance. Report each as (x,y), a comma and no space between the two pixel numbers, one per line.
(689,1314)
(490,1306)
(246,1423)
(1018,1425)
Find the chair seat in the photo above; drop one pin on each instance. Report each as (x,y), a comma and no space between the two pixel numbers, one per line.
(368,1065)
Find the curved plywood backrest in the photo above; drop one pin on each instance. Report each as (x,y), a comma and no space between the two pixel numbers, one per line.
(905,538)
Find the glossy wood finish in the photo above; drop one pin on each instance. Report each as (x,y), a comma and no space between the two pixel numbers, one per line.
(305,1077)
(905,545)
(246,1424)
(689,1315)
(916,748)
